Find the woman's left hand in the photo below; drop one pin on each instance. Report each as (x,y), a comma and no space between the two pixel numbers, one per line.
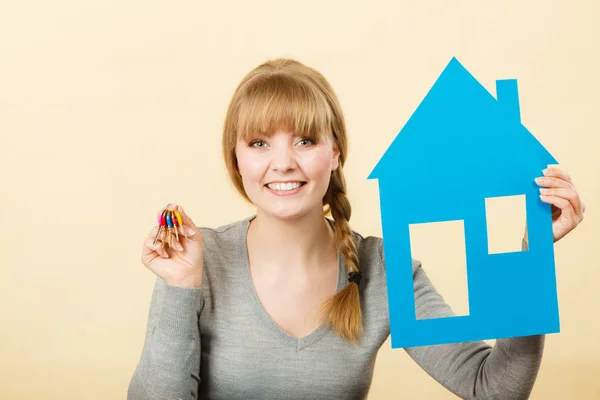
(557,188)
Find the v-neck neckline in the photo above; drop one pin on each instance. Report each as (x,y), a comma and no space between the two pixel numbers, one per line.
(298,343)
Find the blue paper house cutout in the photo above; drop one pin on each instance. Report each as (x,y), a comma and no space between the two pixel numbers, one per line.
(461,146)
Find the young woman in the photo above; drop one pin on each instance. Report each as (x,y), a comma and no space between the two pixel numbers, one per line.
(291,304)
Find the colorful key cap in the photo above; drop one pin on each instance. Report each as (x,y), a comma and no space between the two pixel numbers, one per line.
(175,225)
(161,225)
(180,222)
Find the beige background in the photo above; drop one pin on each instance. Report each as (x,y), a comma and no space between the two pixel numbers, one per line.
(110,110)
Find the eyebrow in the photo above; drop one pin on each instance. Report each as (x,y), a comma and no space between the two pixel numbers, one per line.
(265,135)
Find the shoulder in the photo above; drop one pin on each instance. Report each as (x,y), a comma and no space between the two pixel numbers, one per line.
(371,249)
(223,235)
(222,256)
(223,246)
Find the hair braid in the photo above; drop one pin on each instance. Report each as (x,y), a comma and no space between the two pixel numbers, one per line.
(343,309)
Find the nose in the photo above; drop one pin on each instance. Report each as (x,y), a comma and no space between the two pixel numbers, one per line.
(283,159)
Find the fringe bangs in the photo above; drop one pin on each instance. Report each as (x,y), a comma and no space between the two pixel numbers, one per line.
(278,101)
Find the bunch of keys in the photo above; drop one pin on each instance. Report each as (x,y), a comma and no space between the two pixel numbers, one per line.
(169,223)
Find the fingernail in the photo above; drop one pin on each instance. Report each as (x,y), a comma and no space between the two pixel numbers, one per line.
(179,247)
(538,180)
(191,232)
(545,171)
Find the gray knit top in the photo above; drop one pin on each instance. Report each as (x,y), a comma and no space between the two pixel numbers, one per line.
(218,342)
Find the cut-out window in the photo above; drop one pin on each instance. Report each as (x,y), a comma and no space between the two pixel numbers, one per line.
(441,247)
(505,218)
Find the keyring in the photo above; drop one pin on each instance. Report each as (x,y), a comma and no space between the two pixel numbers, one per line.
(169,222)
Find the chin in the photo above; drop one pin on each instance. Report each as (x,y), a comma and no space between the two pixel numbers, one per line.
(287,215)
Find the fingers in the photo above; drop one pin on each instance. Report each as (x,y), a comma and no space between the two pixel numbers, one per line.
(187,222)
(152,244)
(190,228)
(174,243)
(567,212)
(151,247)
(556,172)
(553,182)
(558,183)
(566,194)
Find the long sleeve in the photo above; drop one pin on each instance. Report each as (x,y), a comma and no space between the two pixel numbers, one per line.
(170,360)
(476,370)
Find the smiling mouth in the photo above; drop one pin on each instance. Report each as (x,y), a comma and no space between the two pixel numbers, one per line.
(285,187)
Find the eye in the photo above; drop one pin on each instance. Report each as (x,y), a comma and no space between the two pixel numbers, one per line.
(253,143)
(306,140)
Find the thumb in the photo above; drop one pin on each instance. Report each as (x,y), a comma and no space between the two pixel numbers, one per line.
(190,227)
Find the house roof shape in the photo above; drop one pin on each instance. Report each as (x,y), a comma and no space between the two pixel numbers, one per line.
(462,136)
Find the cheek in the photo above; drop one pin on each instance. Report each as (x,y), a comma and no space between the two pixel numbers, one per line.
(317,165)
(249,165)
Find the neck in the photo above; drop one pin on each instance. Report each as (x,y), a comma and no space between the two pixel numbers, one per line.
(301,244)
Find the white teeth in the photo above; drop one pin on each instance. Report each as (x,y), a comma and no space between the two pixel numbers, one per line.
(284,186)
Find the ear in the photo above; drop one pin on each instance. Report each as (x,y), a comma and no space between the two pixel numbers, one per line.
(335,162)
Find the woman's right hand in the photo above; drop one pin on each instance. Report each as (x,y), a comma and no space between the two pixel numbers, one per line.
(181,265)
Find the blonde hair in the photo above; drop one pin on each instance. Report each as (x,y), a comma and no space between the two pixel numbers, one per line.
(286,94)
